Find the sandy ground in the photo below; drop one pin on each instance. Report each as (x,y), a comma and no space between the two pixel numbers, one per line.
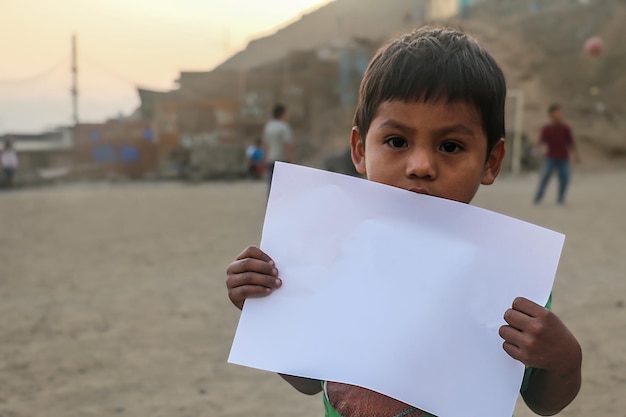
(112,297)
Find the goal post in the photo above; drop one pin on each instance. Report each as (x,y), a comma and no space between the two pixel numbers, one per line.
(518,118)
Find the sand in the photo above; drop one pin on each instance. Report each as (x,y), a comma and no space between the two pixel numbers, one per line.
(112,297)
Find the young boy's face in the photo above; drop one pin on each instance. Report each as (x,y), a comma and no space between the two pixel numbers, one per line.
(556,116)
(436,148)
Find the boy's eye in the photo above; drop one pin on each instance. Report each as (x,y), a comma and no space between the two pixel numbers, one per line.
(451,147)
(396,142)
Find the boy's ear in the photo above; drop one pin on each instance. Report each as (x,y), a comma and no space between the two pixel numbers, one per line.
(357,148)
(493,164)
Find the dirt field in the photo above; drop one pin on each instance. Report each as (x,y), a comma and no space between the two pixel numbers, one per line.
(112,297)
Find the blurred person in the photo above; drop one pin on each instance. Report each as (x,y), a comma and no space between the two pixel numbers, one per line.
(9,162)
(254,158)
(557,143)
(277,140)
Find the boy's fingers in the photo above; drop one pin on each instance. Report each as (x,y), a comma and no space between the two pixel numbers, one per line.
(252,279)
(514,343)
(252,265)
(239,294)
(511,335)
(526,306)
(513,351)
(517,319)
(256,253)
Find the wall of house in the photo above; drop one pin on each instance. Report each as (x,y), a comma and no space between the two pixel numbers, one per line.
(120,147)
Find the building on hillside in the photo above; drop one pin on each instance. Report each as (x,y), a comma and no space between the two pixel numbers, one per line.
(203,127)
(124,147)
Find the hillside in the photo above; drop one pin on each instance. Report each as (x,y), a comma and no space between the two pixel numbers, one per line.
(336,22)
(541,54)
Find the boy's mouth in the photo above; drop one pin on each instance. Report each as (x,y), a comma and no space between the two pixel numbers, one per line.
(419,190)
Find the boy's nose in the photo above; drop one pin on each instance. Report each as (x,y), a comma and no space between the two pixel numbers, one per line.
(421,164)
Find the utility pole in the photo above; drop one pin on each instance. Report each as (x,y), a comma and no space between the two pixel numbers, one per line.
(74,81)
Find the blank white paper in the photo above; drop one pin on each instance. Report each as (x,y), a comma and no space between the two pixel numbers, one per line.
(394,291)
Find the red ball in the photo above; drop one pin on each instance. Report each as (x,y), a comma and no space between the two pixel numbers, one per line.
(594,46)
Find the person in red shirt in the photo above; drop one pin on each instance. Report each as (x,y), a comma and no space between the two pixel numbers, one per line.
(556,136)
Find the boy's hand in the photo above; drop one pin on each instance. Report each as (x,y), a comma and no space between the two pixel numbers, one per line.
(536,337)
(252,274)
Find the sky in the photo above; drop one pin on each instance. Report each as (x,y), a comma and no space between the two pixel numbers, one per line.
(121,44)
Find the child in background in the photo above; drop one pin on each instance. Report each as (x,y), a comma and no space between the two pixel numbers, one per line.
(9,162)
(255,157)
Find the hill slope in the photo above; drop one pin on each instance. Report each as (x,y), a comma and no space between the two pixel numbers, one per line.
(540,53)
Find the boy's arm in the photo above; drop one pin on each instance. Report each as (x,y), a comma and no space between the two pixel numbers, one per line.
(290,152)
(288,145)
(536,337)
(572,147)
(549,393)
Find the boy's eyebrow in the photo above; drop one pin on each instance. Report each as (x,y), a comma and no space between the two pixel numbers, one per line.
(457,128)
(394,124)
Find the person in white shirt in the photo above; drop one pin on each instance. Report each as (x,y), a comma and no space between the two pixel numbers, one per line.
(9,162)
(277,140)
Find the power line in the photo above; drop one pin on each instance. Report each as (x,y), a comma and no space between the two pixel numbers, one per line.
(110,72)
(35,77)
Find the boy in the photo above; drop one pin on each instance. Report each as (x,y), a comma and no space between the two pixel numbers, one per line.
(556,136)
(9,162)
(430,119)
(277,140)
(255,156)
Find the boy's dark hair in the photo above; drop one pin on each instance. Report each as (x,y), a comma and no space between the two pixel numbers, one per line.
(431,64)
(279,110)
(553,107)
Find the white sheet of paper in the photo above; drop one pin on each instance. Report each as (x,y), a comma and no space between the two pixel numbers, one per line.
(394,291)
